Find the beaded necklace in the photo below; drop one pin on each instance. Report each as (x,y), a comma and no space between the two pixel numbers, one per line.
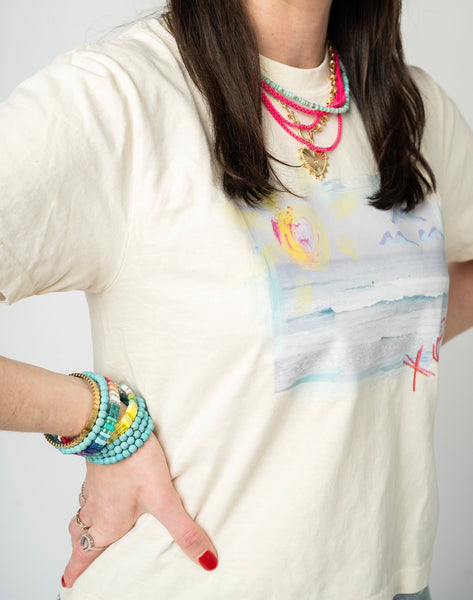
(312,156)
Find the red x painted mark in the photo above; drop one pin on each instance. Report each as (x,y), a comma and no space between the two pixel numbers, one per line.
(417,368)
(435,350)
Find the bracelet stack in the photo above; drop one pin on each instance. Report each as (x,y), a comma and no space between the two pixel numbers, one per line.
(106,439)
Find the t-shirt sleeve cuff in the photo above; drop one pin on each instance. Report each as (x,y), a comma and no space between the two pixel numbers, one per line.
(15,281)
(463,255)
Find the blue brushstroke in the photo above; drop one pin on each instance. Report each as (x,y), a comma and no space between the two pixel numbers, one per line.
(387,239)
(423,236)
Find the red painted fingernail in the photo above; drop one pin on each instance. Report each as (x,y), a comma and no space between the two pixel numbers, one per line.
(209,561)
(63,581)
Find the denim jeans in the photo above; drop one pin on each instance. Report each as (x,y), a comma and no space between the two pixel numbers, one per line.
(423,595)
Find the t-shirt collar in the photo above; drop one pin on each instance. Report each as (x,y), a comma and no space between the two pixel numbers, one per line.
(312,84)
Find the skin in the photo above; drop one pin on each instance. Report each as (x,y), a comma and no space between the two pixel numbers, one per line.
(292,32)
(460,300)
(40,396)
(38,400)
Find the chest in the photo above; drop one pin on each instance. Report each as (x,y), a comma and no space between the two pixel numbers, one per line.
(355,292)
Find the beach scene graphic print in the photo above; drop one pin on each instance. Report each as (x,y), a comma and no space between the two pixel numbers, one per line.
(357,294)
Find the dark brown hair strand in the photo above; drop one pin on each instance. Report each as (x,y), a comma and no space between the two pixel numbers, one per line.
(220,52)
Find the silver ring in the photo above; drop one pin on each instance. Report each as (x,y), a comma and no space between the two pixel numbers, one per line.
(82,495)
(88,544)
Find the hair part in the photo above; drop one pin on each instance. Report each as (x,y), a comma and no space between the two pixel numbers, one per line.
(220,52)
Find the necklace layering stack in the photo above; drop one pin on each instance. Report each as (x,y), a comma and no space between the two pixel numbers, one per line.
(312,156)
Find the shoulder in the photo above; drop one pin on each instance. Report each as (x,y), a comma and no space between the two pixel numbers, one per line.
(130,77)
(434,96)
(448,146)
(147,43)
(145,49)
(445,124)
(423,80)
(442,114)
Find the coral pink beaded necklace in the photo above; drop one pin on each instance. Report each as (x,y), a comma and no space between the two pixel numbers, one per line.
(312,156)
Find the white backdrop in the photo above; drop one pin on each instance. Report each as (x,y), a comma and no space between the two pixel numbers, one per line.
(39,486)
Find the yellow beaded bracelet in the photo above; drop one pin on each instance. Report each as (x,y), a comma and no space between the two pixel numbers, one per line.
(126,421)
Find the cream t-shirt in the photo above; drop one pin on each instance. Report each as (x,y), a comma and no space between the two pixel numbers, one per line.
(288,354)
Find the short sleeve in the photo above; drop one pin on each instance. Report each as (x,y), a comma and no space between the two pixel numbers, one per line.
(65,178)
(448,146)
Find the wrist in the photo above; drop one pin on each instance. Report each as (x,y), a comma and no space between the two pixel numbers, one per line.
(80,407)
(116,427)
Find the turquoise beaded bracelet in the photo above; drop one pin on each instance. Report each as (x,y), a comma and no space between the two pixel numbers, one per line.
(98,446)
(128,443)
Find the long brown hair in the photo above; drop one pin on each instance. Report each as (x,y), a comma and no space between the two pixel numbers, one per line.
(220,52)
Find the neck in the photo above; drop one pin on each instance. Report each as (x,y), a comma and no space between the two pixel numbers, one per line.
(292,32)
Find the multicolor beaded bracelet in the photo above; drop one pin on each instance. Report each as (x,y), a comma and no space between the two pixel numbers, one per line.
(129,399)
(128,443)
(104,440)
(110,420)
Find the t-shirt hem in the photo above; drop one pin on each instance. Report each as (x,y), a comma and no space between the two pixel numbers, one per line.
(405,581)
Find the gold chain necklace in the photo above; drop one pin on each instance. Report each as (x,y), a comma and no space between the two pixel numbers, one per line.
(314,162)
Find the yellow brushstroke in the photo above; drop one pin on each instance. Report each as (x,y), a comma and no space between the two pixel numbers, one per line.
(347,246)
(270,253)
(304,296)
(345,204)
(313,253)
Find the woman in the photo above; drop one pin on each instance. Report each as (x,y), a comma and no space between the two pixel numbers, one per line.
(287,351)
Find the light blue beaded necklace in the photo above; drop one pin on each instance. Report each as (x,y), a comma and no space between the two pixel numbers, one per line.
(312,105)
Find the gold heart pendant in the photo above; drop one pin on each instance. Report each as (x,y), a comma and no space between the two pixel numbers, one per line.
(314,162)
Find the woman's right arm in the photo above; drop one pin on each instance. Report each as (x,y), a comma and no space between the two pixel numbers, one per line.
(37,400)
(66,193)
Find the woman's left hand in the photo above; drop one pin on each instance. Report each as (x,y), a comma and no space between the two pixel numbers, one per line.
(113,498)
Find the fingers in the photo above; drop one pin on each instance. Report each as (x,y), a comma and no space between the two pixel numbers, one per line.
(161,499)
(79,526)
(84,552)
(188,535)
(84,544)
(108,509)
(89,541)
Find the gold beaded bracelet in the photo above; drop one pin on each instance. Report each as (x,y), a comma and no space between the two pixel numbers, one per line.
(55,441)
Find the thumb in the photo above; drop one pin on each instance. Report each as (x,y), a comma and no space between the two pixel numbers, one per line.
(185,531)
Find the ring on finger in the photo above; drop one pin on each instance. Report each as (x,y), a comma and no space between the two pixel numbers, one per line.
(87,542)
(79,522)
